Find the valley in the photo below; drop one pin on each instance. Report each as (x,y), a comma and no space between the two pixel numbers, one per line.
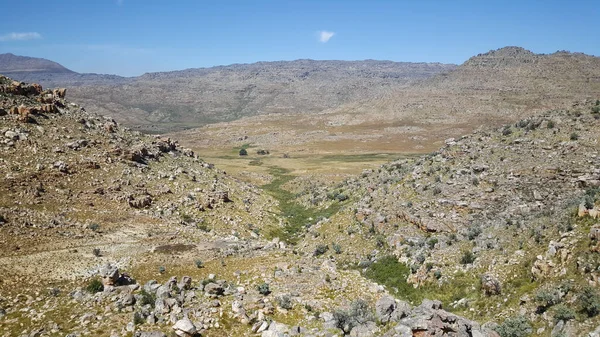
(303,198)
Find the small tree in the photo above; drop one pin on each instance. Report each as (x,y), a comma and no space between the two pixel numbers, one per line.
(359,313)
(243,152)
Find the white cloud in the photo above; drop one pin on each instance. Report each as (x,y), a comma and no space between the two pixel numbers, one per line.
(324,36)
(20,36)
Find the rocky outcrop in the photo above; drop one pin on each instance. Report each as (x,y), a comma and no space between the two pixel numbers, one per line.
(429,319)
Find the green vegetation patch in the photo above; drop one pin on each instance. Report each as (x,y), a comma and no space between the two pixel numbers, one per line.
(393,274)
(296,216)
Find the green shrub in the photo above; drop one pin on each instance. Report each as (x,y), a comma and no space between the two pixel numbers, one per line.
(341,197)
(337,248)
(359,313)
(147,298)
(574,136)
(432,242)
(263,289)
(284,302)
(94,227)
(563,313)
(514,327)
(243,152)
(590,301)
(320,250)
(473,232)
(596,109)
(547,297)
(199,263)
(138,319)
(94,286)
(468,257)
(550,124)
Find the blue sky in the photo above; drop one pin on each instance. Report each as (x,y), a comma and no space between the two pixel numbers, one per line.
(131,37)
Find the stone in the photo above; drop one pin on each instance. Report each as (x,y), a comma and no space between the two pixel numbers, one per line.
(185,284)
(490,284)
(384,308)
(60,92)
(109,274)
(185,328)
(214,289)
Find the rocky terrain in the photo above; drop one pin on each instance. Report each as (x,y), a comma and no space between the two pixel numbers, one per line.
(490,89)
(499,224)
(167,101)
(105,231)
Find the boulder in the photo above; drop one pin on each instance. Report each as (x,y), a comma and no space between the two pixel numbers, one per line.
(60,92)
(185,328)
(214,289)
(109,275)
(384,308)
(490,285)
(185,284)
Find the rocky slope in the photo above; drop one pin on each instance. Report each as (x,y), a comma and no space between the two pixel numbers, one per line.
(182,99)
(90,212)
(490,223)
(488,90)
(10,63)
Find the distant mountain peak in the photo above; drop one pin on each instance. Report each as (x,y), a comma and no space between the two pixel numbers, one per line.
(506,56)
(11,63)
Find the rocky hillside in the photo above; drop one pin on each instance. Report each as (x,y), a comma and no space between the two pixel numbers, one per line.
(104,231)
(501,225)
(496,86)
(10,63)
(158,102)
(488,90)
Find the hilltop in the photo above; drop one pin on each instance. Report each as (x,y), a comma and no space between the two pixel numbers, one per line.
(10,63)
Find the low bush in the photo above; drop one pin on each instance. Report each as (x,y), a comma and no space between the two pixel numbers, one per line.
(147,298)
(514,327)
(563,313)
(468,257)
(263,289)
(320,250)
(359,313)
(589,300)
(284,302)
(94,286)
